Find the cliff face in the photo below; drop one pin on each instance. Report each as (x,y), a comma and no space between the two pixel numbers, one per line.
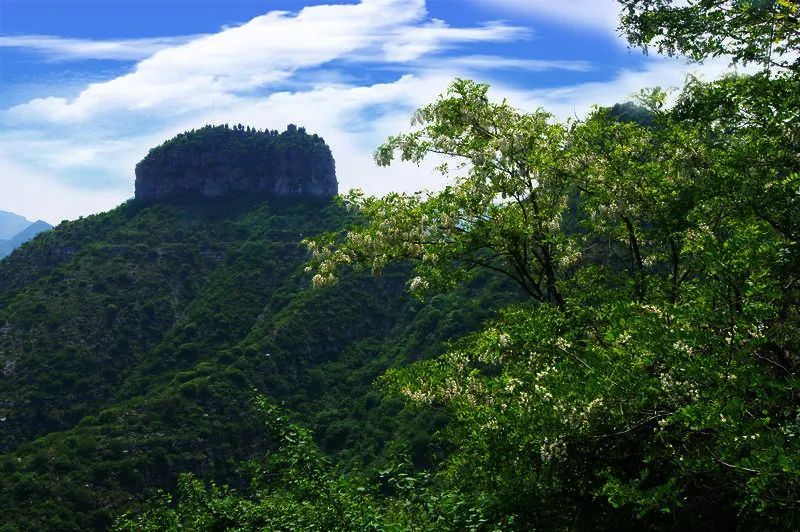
(214,161)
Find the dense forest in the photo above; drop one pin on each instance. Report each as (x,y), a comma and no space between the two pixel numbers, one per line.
(595,325)
(134,343)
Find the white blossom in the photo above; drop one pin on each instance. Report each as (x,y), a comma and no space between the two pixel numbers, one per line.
(418,283)
(555,451)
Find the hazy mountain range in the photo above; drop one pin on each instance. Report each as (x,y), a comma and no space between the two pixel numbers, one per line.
(15,230)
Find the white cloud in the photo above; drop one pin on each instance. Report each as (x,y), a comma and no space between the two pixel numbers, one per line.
(493,62)
(577,100)
(216,69)
(84,161)
(38,196)
(61,48)
(68,157)
(409,43)
(352,119)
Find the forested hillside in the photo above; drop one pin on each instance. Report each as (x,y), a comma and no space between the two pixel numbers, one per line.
(132,343)
(594,325)
(651,381)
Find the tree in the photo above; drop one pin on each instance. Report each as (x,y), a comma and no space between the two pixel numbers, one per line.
(296,487)
(653,377)
(663,281)
(503,213)
(765,32)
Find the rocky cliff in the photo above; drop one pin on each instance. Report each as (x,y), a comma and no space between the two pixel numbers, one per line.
(217,160)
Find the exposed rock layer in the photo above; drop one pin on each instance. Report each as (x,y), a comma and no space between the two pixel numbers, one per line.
(214,161)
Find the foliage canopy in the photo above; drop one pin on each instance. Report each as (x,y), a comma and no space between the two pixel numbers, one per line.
(653,377)
(765,32)
(649,379)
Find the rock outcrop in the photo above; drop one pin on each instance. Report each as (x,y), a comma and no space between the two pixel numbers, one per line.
(218,160)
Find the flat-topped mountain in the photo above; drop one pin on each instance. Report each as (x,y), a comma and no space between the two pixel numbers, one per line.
(216,160)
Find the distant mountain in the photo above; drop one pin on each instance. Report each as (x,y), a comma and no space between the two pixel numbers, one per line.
(631,112)
(11,224)
(25,230)
(29,232)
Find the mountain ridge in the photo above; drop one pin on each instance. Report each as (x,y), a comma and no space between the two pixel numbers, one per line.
(11,224)
(19,230)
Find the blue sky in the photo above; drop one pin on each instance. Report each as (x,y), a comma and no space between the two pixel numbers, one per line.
(87,87)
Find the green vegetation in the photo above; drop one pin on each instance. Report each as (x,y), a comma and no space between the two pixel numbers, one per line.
(131,342)
(244,141)
(298,488)
(641,373)
(765,32)
(653,378)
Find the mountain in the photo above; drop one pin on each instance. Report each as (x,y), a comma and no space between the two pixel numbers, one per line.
(217,160)
(11,224)
(29,232)
(5,248)
(20,231)
(132,343)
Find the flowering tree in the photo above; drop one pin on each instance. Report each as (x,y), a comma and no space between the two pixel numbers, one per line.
(653,375)
(651,380)
(502,212)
